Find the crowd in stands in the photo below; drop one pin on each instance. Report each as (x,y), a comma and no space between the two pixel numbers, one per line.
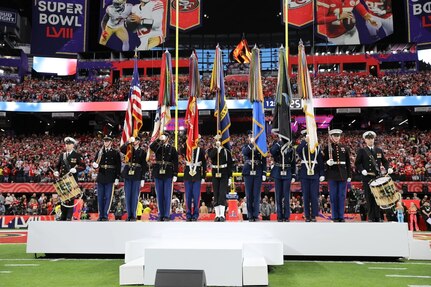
(324,86)
(32,158)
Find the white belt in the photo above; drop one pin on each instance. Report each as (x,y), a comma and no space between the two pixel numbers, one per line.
(339,162)
(219,166)
(306,161)
(191,164)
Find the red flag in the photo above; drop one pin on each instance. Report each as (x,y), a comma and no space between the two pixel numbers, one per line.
(189,14)
(192,112)
(133,119)
(300,12)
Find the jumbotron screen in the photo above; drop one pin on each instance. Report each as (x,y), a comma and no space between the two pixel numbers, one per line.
(59,66)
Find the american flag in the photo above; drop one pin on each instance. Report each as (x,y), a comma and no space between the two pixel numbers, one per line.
(133,119)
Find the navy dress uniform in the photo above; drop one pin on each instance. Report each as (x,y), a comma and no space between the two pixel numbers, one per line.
(108,161)
(337,173)
(369,161)
(311,172)
(164,172)
(194,175)
(284,173)
(134,175)
(69,161)
(221,169)
(254,172)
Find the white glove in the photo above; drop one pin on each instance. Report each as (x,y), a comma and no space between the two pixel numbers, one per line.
(293,180)
(252,140)
(162,138)
(73,170)
(390,170)
(349,179)
(95,165)
(263,177)
(116,181)
(132,139)
(330,162)
(174,179)
(364,172)
(142,183)
(378,11)
(229,182)
(218,143)
(56,174)
(322,178)
(202,180)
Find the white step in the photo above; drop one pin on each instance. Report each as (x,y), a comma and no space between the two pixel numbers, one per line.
(132,273)
(254,271)
(418,249)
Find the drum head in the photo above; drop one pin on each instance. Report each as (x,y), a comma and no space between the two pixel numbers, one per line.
(379,181)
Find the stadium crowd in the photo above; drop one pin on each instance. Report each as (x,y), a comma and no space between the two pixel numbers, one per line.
(324,86)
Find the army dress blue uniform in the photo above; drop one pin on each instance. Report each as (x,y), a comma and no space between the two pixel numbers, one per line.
(221,169)
(133,173)
(163,171)
(312,169)
(337,175)
(283,171)
(253,172)
(194,172)
(109,164)
(68,161)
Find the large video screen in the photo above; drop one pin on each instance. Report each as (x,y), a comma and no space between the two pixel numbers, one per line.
(59,66)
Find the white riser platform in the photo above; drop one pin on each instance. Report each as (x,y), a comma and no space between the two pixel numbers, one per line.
(299,238)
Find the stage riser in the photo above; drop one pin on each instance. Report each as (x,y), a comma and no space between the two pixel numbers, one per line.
(299,238)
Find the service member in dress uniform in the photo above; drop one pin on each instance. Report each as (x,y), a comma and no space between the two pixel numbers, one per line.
(254,172)
(72,162)
(221,169)
(284,174)
(108,161)
(338,173)
(134,175)
(369,160)
(311,172)
(165,171)
(194,176)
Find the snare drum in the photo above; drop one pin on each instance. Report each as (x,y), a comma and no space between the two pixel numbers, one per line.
(385,192)
(67,187)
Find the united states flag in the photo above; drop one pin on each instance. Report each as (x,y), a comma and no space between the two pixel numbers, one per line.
(133,119)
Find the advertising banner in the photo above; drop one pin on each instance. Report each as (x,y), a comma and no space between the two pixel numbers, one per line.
(419,21)
(59,27)
(129,24)
(189,14)
(8,17)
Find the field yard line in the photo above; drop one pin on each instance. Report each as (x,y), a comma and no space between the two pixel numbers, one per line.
(408,276)
(419,285)
(21,265)
(387,268)
(5,272)
(359,262)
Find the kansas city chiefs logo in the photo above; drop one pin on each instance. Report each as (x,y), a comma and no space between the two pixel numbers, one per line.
(186,5)
(298,3)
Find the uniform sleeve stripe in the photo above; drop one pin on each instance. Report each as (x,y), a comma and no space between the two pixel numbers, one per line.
(322,4)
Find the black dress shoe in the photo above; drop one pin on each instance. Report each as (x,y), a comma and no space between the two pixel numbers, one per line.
(160,219)
(127,219)
(216,219)
(104,219)
(280,220)
(194,219)
(132,219)
(166,219)
(286,220)
(222,219)
(99,219)
(313,220)
(307,220)
(341,220)
(251,219)
(188,219)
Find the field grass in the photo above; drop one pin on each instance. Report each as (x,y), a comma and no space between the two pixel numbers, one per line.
(17,268)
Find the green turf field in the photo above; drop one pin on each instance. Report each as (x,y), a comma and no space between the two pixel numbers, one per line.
(18,268)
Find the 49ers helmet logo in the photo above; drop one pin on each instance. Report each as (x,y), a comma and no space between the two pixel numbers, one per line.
(298,3)
(186,5)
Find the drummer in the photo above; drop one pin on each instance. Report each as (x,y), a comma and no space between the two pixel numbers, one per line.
(69,161)
(369,161)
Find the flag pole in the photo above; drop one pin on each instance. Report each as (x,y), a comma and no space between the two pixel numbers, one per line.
(176,69)
(286,30)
